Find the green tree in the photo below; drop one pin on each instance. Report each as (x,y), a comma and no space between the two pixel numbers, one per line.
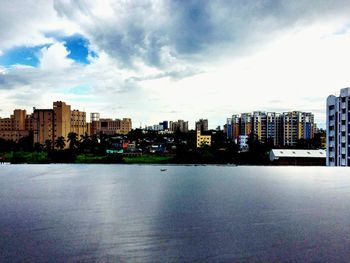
(48,145)
(85,142)
(72,140)
(60,142)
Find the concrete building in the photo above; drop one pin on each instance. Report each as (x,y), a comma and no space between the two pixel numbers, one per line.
(179,125)
(246,125)
(338,129)
(202,125)
(243,142)
(109,126)
(50,124)
(297,125)
(283,129)
(274,128)
(202,139)
(259,125)
(16,127)
(44,125)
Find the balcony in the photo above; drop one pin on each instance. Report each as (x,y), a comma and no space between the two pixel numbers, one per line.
(343,117)
(343,140)
(343,151)
(343,105)
(343,128)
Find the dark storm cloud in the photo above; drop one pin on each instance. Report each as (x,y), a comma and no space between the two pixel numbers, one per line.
(161,32)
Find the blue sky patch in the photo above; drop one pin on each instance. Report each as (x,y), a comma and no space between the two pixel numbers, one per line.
(77,45)
(78,48)
(21,55)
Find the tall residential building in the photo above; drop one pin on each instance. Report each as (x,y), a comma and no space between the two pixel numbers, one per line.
(246,125)
(338,129)
(274,127)
(297,125)
(283,129)
(228,128)
(202,125)
(259,120)
(179,125)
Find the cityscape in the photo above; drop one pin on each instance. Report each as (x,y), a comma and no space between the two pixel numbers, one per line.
(64,128)
(174,131)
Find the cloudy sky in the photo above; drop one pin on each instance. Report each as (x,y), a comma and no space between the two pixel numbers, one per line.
(155,60)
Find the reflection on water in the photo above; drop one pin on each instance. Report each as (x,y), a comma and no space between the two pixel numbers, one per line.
(187,213)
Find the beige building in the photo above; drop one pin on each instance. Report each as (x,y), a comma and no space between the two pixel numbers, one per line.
(43,125)
(50,124)
(110,126)
(203,139)
(16,127)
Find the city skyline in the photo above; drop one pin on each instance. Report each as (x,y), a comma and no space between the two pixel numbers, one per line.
(169,60)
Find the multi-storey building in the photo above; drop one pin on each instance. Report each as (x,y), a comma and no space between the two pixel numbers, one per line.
(246,125)
(274,127)
(109,126)
(203,139)
(50,124)
(179,125)
(16,127)
(283,129)
(259,125)
(338,129)
(44,125)
(297,125)
(202,125)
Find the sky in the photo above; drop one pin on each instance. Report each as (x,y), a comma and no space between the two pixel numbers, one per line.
(155,60)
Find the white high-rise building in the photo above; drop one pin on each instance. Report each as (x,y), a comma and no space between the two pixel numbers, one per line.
(338,129)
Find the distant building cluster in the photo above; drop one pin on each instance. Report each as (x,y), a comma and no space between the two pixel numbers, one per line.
(169,126)
(50,124)
(283,129)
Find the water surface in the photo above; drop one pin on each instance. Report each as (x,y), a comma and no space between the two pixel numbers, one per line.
(137,213)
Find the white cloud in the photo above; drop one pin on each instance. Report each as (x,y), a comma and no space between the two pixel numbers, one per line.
(54,57)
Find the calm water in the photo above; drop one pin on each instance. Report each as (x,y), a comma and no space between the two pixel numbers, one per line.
(122,213)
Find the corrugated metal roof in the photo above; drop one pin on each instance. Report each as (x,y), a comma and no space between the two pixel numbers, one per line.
(277,153)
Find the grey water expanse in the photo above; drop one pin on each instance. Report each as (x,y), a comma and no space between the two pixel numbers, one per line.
(138,213)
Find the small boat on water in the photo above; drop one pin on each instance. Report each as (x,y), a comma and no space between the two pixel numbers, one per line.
(163,170)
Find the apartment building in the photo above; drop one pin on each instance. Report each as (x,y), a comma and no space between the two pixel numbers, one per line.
(297,125)
(179,125)
(283,129)
(338,129)
(246,124)
(202,139)
(259,125)
(202,125)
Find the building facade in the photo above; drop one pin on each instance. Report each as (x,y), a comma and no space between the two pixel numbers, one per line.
(285,129)
(202,125)
(50,124)
(109,126)
(16,127)
(338,129)
(203,139)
